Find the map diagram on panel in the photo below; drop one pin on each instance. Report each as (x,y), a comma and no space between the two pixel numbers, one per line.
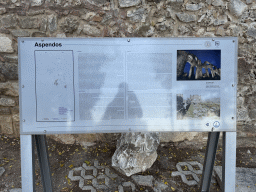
(54,86)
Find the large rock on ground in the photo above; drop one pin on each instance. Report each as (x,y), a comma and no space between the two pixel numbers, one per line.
(135,152)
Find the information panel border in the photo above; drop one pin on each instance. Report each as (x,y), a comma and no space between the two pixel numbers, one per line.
(216,59)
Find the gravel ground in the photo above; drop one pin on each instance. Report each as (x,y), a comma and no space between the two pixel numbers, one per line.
(64,158)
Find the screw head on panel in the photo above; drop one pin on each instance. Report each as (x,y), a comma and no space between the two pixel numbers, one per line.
(22,41)
(233,118)
(22,86)
(234,41)
(128,40)
(23,120)
(44,131)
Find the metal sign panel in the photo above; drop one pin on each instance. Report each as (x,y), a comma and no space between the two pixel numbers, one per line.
(101,85)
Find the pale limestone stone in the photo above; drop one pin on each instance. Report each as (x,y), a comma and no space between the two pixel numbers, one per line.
(5,119)
(194,7)
(20,33)
(221,20)
(242,114)
(160,20)
(38,12)
(9,21)
(36,2)
(16,117)
(43,24)
(88,16)
(129,3)
(200,31)
(137,15)
(209,2)
(249,2)
(217,3)
(237,7)
(220,31)
(61,35)
(2,10)
(91,30)
(135,152)
(52,23)
(29,22)
(7,102)
(184,17)
(12,88)
(6,45)
(252,30)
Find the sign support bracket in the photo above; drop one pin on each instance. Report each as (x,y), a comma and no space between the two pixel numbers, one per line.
(27,143)
(228,162)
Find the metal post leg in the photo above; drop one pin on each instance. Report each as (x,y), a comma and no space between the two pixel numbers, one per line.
(44,162)
(229,162)
(27,163)
(212,144)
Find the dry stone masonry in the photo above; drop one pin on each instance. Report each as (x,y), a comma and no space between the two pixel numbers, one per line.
(128,18)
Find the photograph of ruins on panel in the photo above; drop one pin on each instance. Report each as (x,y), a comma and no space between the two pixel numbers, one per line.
(198,65)
(198,105)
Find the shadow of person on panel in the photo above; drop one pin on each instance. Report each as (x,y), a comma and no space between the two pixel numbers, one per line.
(116,108)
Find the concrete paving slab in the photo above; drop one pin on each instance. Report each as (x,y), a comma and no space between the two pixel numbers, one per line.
(245,178)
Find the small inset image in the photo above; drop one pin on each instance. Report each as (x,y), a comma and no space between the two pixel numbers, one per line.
(198,65)
(198,105)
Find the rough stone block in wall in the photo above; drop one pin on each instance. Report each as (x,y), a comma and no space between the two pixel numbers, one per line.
(236,7)
(2,10)
(9,88)
(6,128)
(7,102)
(194,7)
(9,70)
(5,111)
(175,4)
(6,124)
(129,3)
(6,45)
(8,21)
(184,17)
(29,22)
(16,117)
(91,30)
(20,33)
(36,2)
(16,128)
(52,23)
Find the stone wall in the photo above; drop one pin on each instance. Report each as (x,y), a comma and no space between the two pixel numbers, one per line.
(128,18)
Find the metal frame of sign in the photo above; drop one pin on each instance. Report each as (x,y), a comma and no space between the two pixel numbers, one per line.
(106,85)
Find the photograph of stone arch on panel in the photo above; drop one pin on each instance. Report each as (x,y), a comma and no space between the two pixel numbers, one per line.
(198,105)
(198,65)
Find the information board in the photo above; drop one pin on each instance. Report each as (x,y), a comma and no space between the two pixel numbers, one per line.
(105,85)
